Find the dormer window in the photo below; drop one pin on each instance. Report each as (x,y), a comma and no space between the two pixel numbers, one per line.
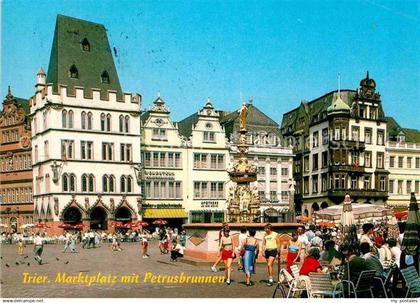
(74,73)
(105,77)
(85,45)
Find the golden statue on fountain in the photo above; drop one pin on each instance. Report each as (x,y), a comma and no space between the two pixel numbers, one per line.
(243,201)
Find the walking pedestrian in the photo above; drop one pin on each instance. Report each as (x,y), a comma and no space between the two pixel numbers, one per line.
(242,237)
(227,253)
(224,225)
(293,251)
(249,250)
(21,247)
(66,242)
(144,245)
(38,248)
(271,247)
(73,239)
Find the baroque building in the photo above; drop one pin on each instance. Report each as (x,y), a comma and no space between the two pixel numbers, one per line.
(403,163)
(164,163)
(207,154)
(85,133)
(16,206)
(339,140)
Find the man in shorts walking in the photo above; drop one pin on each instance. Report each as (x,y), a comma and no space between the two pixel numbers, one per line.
(271,248)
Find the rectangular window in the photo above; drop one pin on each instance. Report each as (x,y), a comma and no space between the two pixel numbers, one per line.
(67,148)
(46,150)
(315,139)
(355,157)
(108,151)
(284,171)
(324,181)
(355,132)
(380,138)
(392,161)
(368,159)
(409,186)
(171,160)
(325,136)
(155,159)
(159,134)
(147,159)
(400,162)
(177,160)
(209,136)
(314,184)
(366,182)
(306,185)
(417,162)
(315,162)
(178,192)
(261,170)
(337,133)
(354,182)
(162,160)
(273,171)
(380,160)
(400,187)
(324,159)
(382,183)
(417,187)
(368,135)
(391,186)
(36,154)
(306,163)
(409,159)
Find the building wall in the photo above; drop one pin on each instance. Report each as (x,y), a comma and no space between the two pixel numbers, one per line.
(15,167)
(402,173)
(50,198)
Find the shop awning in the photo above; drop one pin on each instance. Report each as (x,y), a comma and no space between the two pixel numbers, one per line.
(165,213)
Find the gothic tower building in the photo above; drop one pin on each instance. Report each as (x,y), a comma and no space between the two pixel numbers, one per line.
(85,133)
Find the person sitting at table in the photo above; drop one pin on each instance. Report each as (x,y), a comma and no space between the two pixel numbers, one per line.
(311,262)
(372,262)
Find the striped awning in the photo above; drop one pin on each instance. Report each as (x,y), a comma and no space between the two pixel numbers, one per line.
(164,213)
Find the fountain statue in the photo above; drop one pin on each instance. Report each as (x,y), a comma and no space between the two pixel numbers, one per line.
(243,201)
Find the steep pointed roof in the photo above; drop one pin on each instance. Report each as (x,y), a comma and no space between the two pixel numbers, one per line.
(91,62)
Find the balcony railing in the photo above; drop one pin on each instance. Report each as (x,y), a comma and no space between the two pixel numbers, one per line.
(346,168)
(358,193)
(347,144)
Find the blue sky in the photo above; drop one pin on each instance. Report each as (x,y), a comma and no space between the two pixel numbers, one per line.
(278,52)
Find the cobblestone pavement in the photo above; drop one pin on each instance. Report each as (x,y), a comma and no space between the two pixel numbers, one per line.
(127,262)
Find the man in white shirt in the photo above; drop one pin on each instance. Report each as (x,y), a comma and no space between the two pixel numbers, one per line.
(38,248)
(177,250)
(66,242)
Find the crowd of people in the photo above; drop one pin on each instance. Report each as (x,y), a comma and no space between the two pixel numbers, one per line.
(316,249)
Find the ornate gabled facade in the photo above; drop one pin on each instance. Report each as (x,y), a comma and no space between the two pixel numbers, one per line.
(16,207)
(164,159)
(339,141)
(85,133)
(207,154)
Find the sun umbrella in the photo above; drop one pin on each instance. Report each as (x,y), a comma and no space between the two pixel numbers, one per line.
(117,224)
(142,223)
(41,225)
(79,225)
(411,244)
(160,222)
(401,214)
(66,226)
(27,226)
(347,217)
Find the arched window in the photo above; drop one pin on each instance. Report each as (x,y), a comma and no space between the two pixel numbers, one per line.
(121,123)
(72,182)
(129,184)
(83,117)
(105,77)
(65,181)
(85,45)
(64,118)
(73,72)
(89,120)
(127,124)
(108,122)
(91,183)
(111,184)
(122,184)
(84,183)
(105,183)
(70,124)
(102,122)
